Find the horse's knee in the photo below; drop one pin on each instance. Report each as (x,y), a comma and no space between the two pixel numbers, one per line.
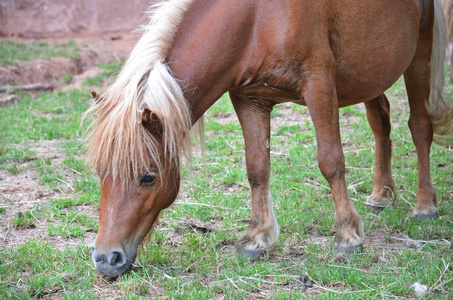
(332,169)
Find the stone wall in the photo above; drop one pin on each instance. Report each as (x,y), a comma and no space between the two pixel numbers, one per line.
(67,18)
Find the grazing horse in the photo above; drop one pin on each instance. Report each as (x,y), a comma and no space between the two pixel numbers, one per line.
(322,54)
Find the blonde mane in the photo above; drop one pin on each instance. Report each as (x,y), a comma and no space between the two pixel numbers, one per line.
(118,144)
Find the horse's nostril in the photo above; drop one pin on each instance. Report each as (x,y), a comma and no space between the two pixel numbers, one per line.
(113,258)
(99,258)
(117,258)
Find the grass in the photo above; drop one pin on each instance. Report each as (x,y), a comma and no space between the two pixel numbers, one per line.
(190,253)
(47,116)
(109,70)
(11,53)
(23,220)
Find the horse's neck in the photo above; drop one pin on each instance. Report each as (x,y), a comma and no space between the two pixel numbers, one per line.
(207,52)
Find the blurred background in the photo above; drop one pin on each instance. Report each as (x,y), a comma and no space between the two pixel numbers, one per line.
(70,18)
(64,44)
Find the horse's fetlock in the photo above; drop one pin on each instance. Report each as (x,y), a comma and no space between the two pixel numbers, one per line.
(255,222)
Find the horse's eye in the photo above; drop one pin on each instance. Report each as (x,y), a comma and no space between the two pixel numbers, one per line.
(148,178)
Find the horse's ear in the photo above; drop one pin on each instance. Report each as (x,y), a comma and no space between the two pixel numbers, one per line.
(97,98)
(151,122)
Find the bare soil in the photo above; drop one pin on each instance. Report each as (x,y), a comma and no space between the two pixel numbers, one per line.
(23,192)
(93,51)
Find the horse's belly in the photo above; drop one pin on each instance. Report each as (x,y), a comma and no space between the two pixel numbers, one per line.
(373,50)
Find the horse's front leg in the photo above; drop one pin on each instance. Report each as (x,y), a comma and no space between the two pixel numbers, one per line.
(378,115)
(321,99)
(263,230)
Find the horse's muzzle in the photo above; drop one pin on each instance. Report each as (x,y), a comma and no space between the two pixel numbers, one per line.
(111,263)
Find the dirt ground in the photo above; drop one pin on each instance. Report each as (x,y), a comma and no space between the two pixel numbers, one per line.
(93,51)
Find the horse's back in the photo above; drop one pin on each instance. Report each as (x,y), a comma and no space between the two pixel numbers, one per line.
(270,50)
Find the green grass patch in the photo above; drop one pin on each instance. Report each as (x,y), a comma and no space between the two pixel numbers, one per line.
(14,169)
(11,53)
(66,79)
(41,269)
(17,154)
(67,231)
(109,70)
(23,220)
(43,117)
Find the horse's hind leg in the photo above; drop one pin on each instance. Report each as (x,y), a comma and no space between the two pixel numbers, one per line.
(263,228)
(417,79)
(378,115)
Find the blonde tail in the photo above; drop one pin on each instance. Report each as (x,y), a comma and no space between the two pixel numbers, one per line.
(441,112)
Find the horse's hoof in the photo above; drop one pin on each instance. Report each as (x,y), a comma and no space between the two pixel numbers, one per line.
(346,249)
(377,201)
(375,207)
(377,204)
(252,254)
(343,252)
(250,249)
(426,215)
(349,242)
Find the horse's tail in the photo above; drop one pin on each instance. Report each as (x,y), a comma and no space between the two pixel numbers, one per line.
(447,6)
(440,111)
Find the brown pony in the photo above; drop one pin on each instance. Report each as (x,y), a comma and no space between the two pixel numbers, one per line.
(322,54)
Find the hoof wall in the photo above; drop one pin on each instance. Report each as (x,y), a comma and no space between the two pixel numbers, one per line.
(344,249)
(252,254)
(378,204)
(426,216)
(375,207)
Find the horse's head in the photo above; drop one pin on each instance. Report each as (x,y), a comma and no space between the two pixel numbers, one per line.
(129,209)
(127,215)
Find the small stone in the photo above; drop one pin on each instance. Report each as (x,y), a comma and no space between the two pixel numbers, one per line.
(419,289)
